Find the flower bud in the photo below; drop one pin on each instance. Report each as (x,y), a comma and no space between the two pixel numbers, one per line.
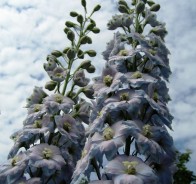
(80,54)
(84,40)
(73,14)
(123,9)
(140,7)
(83,2)
(50,85)
(90,69)
(150,3)
(90,26)
(71,35)
(95,30)
(56,53)
(134,2)
(91,53)
(88,91)
(80,19)
(122,2)
(85,64)
(89,40)
(71,53)
(66,29)
(65,50)
(97,8)
(69,24)
(155,7)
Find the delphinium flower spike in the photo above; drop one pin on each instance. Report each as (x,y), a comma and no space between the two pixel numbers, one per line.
(128,138)
(50,143)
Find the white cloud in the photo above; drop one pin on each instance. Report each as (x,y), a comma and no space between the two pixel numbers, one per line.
(29,30)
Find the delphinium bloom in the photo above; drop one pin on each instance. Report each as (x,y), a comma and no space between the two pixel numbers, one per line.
(14,169)
(53,135)
(46,157)
(129,121)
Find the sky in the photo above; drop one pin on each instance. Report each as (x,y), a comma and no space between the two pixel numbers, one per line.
(29,30)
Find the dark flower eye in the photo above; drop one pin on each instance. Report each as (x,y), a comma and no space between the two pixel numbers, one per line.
(108,80)
(66,126)
(108,133)
(130,167)
(47,153)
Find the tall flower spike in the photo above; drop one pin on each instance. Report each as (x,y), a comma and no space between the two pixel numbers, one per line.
(53,136)
(130,114)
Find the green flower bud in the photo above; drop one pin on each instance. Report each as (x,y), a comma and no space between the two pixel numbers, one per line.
(150,3)
(50,85)
(93,22)
(65,50)
(89,40)
(80,54)
(56,53)
(80,19)
(95,30)
(66,30)
(90,26)
(134,2)
(145,1)
(71,53)
(85,64)
(91,69)
(122,2)
(91,53)
(83,2)
(123,9)
(84,40)
(71,35)
(140,7)
(70,24)
(73,14)
(97,8)
(155,7)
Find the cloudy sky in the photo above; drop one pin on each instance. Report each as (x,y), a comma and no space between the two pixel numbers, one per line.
(29,30)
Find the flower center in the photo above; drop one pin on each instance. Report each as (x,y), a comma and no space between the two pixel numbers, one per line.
(108,134)
(58,98)
(37,124)
(14,161)
(58,75)
(136,75)
(130,167)
(155,96)
(84,153)
(37,108)
(124,97)
(123,53)
(47,153)
(147,131)
(66,126)
(108,80)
